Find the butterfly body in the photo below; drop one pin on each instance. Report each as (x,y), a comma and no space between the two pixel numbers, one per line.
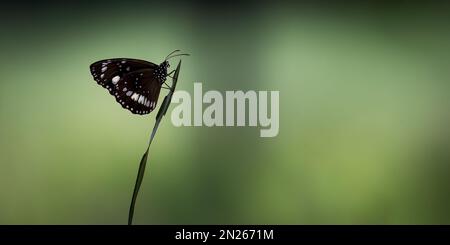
(134,83)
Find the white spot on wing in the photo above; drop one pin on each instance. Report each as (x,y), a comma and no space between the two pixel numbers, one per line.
(104,68)
(141,99)
(115,79)
(129,93)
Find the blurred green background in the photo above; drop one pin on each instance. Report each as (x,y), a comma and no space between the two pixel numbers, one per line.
(364,114)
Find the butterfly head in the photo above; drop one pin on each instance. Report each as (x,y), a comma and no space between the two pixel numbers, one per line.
(161,72)
(165,65)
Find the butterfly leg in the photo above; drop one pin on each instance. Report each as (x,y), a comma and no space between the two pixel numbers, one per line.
(167,86)
(169,74)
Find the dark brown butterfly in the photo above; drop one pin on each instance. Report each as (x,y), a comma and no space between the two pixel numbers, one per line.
(134,83)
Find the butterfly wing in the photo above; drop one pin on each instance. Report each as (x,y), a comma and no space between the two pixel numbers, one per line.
(107,72)
(138,91)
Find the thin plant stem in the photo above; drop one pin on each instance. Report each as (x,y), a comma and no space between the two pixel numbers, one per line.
(161,112)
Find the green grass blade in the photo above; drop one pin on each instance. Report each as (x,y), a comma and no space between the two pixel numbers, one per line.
(161,112)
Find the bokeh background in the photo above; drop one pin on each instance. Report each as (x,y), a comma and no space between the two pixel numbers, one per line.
(364,114)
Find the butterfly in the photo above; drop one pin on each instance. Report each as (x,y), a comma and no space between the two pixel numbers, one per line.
(134,83)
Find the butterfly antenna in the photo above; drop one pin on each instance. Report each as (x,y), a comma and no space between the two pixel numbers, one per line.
(177,55)
(176,50)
